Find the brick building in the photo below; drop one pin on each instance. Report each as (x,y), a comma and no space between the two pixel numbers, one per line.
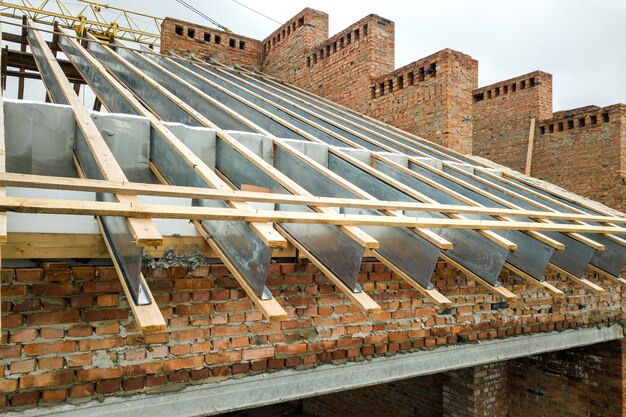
(521,319)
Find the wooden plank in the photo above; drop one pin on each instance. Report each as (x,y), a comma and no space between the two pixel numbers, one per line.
(432,294)
(541,284)
(99,208)
(148,317)
(269,308)
(582,281)
(531,144)
(499,291)
(143,230)
(123,187)
(361,299)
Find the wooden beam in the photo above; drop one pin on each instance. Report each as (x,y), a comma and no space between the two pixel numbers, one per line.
(143,230)
(123,187)
(499,291)
(605,274)
(582,281)
(21,245)
(531,144)
(361,299)
(140,210)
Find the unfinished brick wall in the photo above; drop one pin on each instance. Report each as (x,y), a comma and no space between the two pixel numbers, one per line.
(68,335)
(185,39)
(581,382)
(583,150)
(479,391)
(431,97)
(502,113)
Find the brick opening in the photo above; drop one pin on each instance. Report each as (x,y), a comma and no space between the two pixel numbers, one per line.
(401,81)
(390,85)
(207,37)
(542,130)
(365,30)
(551,128)
(382,88)
(411,78)
(349,38)
(593,119)
(191,33)
(531,82)
(373,92)
(301,21)
(421,74)
(357,34)
(560,127)
(605,117)
(335,46)
(505,89)
(231,42)
(217,39)
(497,91)
(581,122)
(479,97)
(179,30)
(570,124)
(242,45)
(513,87)
(308,61)
(522,85)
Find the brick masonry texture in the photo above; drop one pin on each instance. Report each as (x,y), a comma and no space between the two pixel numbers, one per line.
(59,344)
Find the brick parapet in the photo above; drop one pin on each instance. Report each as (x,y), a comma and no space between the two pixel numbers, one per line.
(68,334)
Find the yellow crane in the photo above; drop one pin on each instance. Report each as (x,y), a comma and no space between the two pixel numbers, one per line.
(102,20)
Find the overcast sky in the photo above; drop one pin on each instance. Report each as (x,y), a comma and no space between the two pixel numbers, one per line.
(581,43)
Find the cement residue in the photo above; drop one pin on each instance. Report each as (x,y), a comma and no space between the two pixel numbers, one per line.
(170,258)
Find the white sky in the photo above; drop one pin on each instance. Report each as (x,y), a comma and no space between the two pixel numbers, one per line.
(582,43)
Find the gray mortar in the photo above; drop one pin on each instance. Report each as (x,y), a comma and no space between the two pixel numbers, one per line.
(170,258)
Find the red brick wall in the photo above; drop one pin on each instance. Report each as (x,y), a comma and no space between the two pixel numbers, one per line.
(581,382)
(68,335)
(502,113)
(431,97)
(203,41)
(480,391)
(414,397)
(588,160)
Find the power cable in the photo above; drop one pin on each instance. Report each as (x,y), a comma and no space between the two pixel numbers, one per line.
(201,14)
(257,12)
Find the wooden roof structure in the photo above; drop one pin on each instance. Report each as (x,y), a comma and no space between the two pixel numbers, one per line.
(268,167)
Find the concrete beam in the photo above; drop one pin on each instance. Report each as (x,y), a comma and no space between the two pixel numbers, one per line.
(276,387)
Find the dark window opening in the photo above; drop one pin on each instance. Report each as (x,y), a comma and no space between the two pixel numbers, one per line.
(217,39)
(308,61)
(327,50)
(489,94)
(390,85)
(497,91)
(242,45)
(513,87)
(560,126)
(341,42)
(207,37)
(605,117)
(593,119)
(551,128)
(357,34)
(421,74)
(301,21)
(531,82)
(179,30)
(542,130)
(373,92)
(349,38)
(581,122)
(315,58)
(278,37)
(231,43)
(411,78)
(479,97)
(191,33)
(335,46)
(288,30)
(432,69)
(570,124)
(522,85)
(365,30)
(505,89)
(382,89)
(321,53)
(401,81)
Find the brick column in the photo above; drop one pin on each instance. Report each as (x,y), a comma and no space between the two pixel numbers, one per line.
(480,391)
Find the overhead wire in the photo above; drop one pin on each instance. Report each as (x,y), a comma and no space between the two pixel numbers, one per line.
(257,12)
(201,14)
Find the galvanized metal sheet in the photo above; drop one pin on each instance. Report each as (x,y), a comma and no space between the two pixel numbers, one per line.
(149,94)
(32,147)
(200,140)
(47,75)
(249,255)
(327,243)
(479,255)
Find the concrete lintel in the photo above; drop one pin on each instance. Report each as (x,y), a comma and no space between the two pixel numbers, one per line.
(270,388)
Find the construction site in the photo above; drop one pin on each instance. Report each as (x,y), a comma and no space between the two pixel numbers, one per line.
(292,226)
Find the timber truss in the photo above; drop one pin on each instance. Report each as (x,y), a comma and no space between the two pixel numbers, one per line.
(263,167)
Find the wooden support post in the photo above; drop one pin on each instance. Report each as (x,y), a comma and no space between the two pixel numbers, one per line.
(20,82)
(531,144)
